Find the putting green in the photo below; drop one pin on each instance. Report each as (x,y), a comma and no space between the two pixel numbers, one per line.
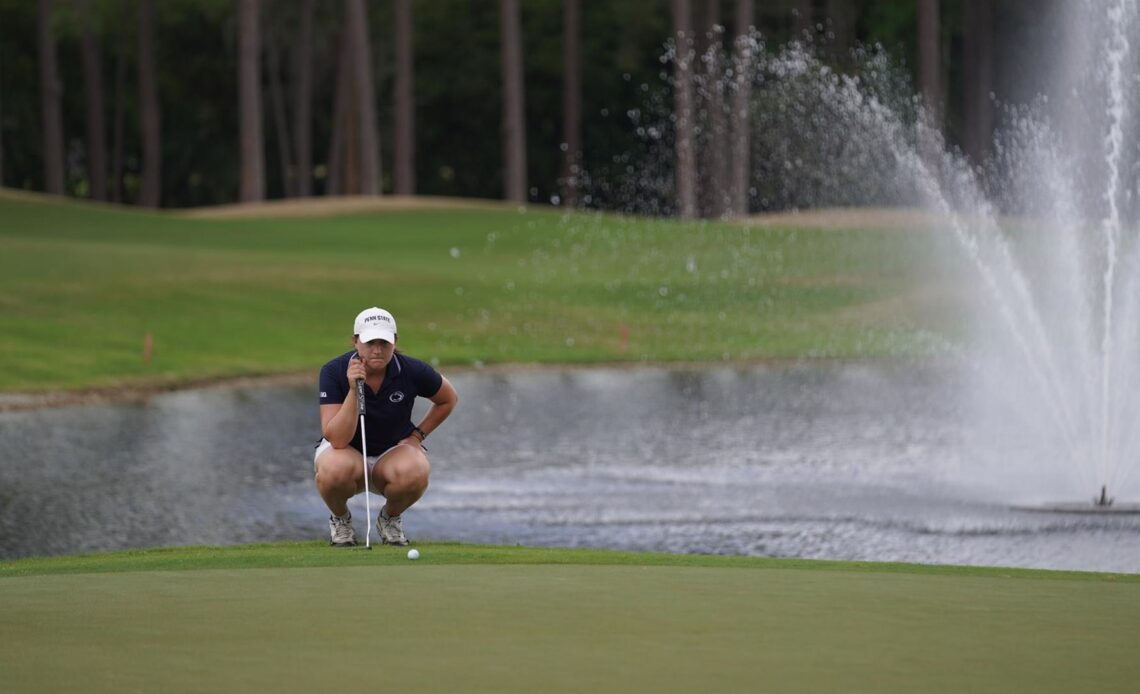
(721,624)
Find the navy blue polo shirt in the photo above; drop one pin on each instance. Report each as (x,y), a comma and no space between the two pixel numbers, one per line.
(388,414)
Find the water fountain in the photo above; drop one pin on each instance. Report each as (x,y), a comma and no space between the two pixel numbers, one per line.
(1048,231)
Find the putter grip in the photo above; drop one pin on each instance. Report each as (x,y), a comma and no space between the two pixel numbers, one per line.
(360,396)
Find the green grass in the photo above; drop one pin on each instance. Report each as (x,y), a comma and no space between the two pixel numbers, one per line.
(81,285)
(305,617)
(281,555)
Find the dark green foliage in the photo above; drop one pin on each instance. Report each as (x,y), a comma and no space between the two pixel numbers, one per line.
(457,85)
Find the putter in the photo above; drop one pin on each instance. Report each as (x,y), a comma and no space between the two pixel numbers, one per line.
(364,456)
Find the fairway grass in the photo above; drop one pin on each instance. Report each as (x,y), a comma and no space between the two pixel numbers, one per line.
(84,287)
(464,618)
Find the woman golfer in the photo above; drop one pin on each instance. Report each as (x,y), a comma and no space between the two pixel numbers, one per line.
(397,464)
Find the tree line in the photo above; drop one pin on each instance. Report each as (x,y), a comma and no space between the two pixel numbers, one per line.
(173,103)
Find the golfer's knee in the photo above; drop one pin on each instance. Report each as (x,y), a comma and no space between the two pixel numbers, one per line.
(331,474)
(410,472)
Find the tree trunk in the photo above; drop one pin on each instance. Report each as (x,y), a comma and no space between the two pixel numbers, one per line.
(249,101)
(303,101)
(404,147)
(718,197)
(930,143)
(1,138)
(977,78)
(93,93)
(701,21)
(117,126)
(842,18)
(363,99)
(50,91)
(571,100)
(280,118)
(743,61)
(151,192)
(351,154)
(514,130)
(686,165)
(929,62)
(334,184)
(805,19)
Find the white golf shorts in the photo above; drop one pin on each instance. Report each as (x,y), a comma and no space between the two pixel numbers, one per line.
(324,445)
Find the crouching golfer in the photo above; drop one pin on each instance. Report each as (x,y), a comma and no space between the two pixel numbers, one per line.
(397,464)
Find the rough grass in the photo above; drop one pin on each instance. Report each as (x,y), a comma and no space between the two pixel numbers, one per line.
(81,285)
(302,616)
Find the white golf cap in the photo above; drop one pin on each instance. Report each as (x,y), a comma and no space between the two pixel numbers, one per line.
(375,323)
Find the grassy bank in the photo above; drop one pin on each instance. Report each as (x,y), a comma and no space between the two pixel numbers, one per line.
(82,285)
(289,617)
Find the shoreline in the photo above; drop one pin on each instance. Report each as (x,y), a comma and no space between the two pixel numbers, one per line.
(137,392)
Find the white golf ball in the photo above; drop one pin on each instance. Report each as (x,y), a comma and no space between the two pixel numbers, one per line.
(413,554)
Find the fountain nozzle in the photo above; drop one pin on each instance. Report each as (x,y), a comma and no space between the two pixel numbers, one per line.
(1104,499)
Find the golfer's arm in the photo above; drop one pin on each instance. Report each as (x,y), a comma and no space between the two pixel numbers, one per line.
(442,403)
(338,422)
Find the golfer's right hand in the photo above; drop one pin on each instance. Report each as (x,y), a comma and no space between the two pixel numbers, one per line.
(355,370)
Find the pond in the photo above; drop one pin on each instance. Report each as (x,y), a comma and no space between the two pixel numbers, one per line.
(816,460)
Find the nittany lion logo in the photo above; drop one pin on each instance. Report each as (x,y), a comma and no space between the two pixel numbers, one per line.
(398,396)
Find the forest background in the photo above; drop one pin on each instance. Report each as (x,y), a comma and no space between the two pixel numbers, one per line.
(183,103)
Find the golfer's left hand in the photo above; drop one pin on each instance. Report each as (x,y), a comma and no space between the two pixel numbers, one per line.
(412,440)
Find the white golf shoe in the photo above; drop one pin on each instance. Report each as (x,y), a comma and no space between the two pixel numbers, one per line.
(391,529)
(341,533)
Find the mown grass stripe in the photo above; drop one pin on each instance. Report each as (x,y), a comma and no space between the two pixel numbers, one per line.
(318,554)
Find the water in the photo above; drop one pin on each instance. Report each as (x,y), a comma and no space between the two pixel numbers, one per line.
(832,460)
